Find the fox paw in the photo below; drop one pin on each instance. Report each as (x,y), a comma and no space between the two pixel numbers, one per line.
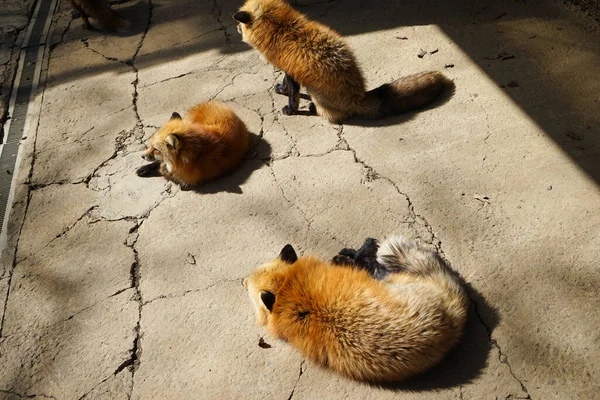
(312,108)
(342,260)
(287,110)
(281,88)
(147,170)
(348,253)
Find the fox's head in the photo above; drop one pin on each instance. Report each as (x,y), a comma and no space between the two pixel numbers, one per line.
(166,142)
(264,283)
(253,12)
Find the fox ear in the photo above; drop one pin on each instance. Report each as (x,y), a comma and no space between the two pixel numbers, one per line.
(288,254)
(268,299)
(172,141)
(175,115)
(242,16)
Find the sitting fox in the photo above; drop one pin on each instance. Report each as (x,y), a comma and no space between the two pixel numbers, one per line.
(342,318)
(316,57)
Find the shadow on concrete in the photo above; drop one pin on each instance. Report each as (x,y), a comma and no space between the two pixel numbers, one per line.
(406,116)
(561,102)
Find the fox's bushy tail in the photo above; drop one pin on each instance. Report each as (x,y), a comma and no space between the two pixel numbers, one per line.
(405,94)
(398,254)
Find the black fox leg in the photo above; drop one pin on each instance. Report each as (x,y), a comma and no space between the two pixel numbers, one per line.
(342,260)
(348,253)
(293,92)
(282,88)
(151,169)
(366,258)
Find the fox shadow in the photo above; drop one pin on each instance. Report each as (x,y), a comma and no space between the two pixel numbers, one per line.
(136,13)
(232,181)
(466,361)
(395,119)
(398,119)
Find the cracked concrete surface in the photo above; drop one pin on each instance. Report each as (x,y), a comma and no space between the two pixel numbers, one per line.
(118,287)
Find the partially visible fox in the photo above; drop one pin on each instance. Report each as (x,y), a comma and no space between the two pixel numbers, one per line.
(210,142)
(99,10)
(342,318)
(316,57)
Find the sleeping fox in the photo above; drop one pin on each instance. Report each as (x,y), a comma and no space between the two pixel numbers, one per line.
(316,57)
(210,142)
(342,318)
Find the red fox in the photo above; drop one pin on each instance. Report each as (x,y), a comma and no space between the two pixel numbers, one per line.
(342,318)
(316,57)
(211,141)
(99,10)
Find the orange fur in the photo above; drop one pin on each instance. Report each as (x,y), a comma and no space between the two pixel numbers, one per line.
(318,58)
(209,142)
(343,319)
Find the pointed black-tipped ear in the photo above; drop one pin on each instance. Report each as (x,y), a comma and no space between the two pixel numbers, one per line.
(288,254)
(268,300)
(175,115)
(242,16)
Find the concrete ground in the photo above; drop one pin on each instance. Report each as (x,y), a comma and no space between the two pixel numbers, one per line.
(118,287)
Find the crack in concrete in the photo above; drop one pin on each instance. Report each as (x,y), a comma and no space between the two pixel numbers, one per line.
(186,292)
(70,317)
(293,152)
(473,98)
(136,81)
(502,357)
(27,396)
(437,243)
(291,203)
(112,59)
(42,90)
(302,369)
(133,361)
(61,234)
(41,185)
(218,12)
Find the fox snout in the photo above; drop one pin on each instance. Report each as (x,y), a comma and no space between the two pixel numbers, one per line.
(150,154)
(148,157)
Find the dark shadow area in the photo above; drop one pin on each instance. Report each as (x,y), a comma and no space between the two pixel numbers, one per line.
(529,60)
(132,12)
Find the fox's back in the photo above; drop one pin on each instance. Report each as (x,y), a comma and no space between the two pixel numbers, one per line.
(366,329)
(314,54)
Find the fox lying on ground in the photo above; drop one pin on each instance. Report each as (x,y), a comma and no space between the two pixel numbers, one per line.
(342,318)
(210,142)
(316,57)
(100,10)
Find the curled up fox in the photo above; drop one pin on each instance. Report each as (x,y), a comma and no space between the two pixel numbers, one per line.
(375,324)
(316,57)
(209,142)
